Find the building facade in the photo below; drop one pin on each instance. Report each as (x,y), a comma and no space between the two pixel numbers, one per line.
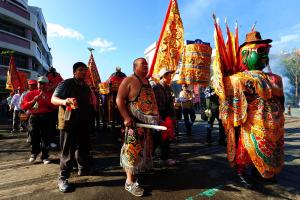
(23,30)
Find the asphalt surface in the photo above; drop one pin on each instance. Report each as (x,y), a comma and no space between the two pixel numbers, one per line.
(202,171)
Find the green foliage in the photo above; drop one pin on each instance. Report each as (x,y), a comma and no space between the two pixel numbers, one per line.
(292,71)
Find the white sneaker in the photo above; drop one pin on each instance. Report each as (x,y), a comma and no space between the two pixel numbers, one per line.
(53,145)
(46,161)
(31,159)
(134,189)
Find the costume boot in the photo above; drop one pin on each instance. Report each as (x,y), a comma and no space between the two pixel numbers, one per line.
(241,172)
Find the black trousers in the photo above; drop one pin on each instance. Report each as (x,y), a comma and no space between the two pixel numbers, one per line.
(164,145)
(52,125)
(16,120)
(215,115)
(38,128)
(74,144)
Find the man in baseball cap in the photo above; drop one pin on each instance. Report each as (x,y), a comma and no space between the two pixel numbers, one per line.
(32,85)
(165,104)
(38,104)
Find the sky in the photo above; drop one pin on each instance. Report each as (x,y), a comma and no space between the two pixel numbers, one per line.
(121,30)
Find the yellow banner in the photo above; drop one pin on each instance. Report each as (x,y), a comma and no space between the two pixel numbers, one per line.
(170,44)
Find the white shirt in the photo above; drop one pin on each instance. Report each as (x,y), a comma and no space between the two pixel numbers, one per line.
(15,102)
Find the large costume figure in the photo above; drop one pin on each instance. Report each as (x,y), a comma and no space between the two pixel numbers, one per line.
(252,111)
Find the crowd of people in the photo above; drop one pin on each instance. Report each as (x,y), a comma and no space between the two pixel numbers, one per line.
(51,105)
(147,107)
(251,115)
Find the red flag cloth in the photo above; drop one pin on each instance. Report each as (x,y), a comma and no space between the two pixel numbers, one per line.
(230,47)
(170,43)
(23,77)
(93,73)
(54,80)
(169,133)
(14,79)
(88,78)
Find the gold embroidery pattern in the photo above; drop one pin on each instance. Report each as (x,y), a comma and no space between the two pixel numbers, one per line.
(171,45)
(195,67)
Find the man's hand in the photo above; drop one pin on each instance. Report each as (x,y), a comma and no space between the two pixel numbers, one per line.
(128,122)
(67,102)
(36,98)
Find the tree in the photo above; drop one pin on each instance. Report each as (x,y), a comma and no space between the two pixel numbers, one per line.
(292,69)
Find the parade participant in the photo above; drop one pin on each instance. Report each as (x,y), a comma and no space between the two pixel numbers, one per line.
(186,97)
(196,101)
(9,112)
(253,112)
(32,85)
(212,105)
(136,103)
(54,79)
(38,104)
(165,104)
(74,124)
(15,106)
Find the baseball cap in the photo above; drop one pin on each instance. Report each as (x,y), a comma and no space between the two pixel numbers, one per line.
(43,79)
(164,71)
(32,82)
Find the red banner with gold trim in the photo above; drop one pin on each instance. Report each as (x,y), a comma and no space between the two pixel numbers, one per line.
(92,77)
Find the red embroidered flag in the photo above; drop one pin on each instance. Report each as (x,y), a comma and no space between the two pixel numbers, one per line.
(93,78)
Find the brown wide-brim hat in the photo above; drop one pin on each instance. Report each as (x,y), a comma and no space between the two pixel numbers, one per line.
(254,37)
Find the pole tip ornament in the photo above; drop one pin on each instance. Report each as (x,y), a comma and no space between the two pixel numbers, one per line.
(91,49)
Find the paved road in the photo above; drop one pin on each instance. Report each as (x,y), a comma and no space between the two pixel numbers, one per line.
(202,171)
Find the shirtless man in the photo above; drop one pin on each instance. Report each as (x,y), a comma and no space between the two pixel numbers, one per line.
(136,102)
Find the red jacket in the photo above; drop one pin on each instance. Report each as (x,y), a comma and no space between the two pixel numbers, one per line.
(44,104)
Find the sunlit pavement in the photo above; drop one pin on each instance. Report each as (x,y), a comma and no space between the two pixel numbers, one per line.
(202,171)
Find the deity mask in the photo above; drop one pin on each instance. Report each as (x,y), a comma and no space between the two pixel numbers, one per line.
(254,52)
(255,56)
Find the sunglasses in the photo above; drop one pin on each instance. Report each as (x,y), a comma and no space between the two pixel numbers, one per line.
(261,49)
